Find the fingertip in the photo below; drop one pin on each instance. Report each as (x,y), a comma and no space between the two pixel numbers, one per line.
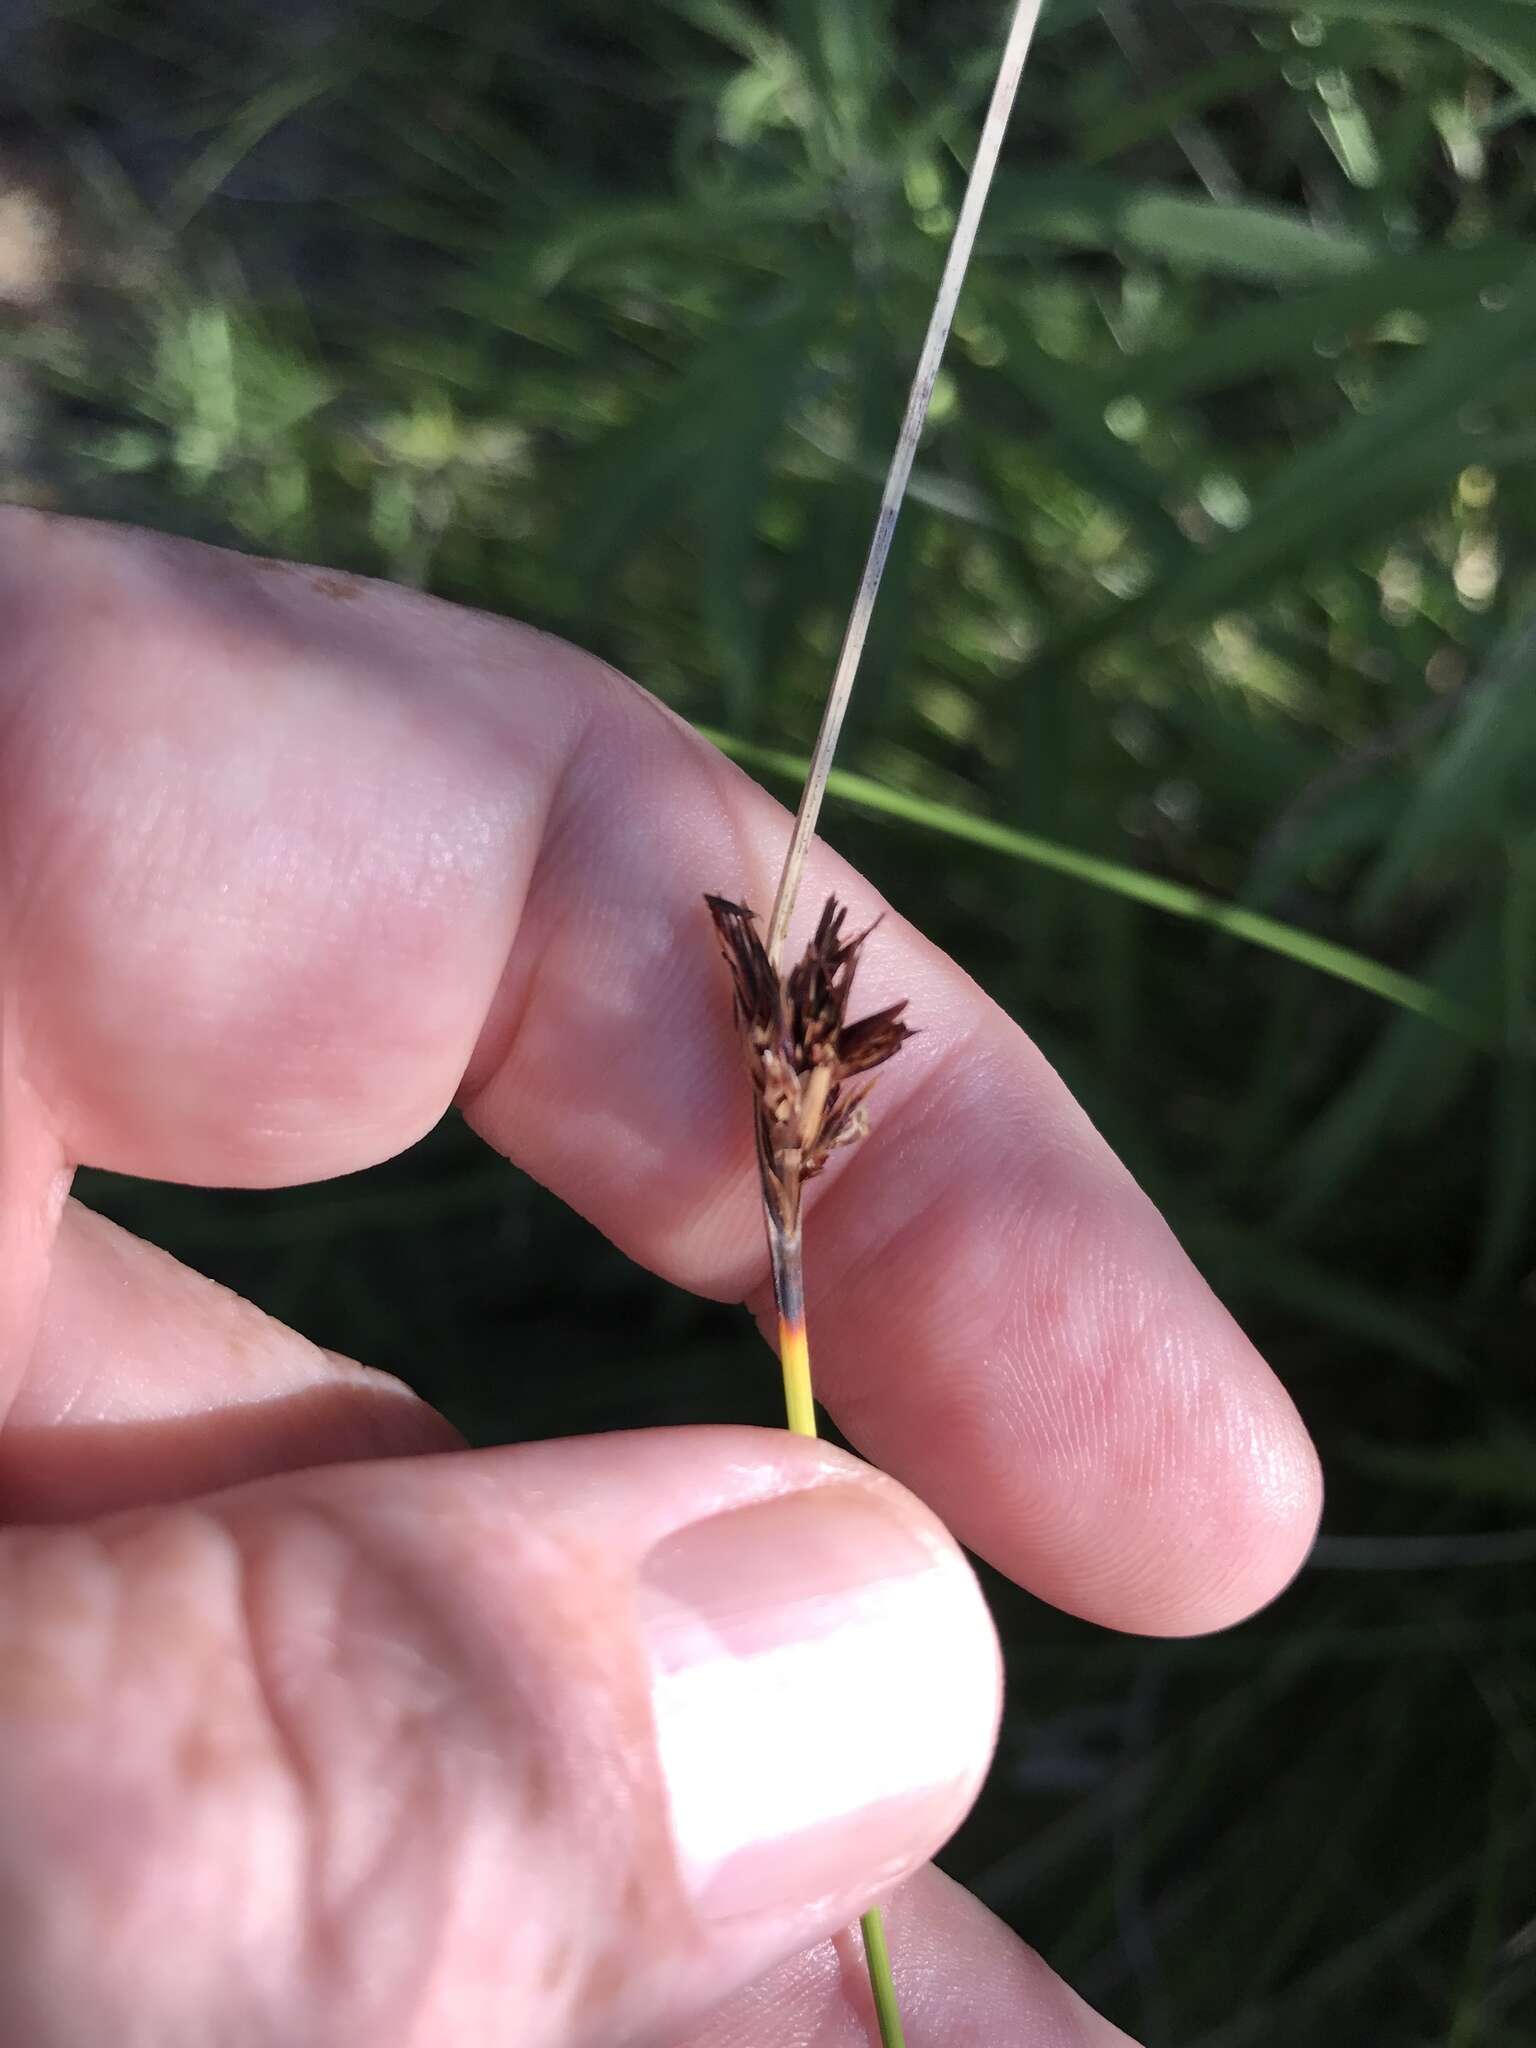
(1267,1523)
(826,1684)
(1087,1416)
(963,1980)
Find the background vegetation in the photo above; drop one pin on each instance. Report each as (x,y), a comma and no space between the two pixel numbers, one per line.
(1198,722)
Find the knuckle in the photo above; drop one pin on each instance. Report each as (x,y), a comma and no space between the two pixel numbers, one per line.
(129,1750)
(316,1774)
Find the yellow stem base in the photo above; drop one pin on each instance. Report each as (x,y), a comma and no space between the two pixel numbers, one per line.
(795,1357)
(800,1407)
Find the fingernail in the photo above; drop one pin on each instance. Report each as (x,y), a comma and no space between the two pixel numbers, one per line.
(825,1684)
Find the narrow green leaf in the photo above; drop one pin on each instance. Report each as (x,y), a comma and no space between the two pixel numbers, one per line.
(1405,1081)
(1302,330)
(1176,898)
(701,447)
(846,48)
(728,21)
(1240,238)
(1149,116)
(1065,416)
(1379,465)
(1498,1467)
(1512,1166)
(240,135)
(1462,796)
(1251,1260)
(1502,33)
(726,222)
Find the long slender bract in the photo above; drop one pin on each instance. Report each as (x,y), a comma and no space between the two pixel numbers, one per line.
(1010,70)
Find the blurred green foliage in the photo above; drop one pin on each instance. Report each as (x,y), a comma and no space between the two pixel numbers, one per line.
(1213,597)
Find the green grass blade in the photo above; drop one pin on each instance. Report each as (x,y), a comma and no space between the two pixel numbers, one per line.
(1512,1161)
(1063,412)
(1262,339)
(251,125)
(1376,468)
(1128,123)
(1249,1264)
(1464,791)
(1406,1082)
(1496,1468)
(1177,899)
(1500,32)
(1241,238)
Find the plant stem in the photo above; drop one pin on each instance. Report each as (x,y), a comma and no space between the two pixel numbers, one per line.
(795,1358)
(784,1243)
(794,1349)
(877,1960)
(1011,68)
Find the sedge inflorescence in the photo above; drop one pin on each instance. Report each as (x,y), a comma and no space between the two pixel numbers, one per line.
(804,1057)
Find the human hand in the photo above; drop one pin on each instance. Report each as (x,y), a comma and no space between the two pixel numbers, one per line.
(316,1729)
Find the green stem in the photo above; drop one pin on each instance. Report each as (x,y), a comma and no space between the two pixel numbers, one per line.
(877,1960)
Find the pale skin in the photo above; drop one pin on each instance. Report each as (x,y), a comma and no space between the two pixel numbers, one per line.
(315,1728)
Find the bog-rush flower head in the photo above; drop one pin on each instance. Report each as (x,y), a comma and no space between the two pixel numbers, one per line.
(802,1053)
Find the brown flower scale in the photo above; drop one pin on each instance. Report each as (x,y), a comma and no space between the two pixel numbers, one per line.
(802,1053)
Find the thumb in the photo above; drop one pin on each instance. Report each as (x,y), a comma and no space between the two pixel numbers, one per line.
(557,1744)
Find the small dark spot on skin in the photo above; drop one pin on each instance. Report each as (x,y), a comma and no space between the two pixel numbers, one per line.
(342,588)
(635,1896)
(205,1756)
(37,1687)
(539,1788)
(557,1966)
(606,1977)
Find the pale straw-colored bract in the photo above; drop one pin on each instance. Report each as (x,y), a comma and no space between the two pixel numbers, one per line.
(1025,16)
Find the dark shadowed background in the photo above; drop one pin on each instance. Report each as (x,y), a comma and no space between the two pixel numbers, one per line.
(1199,721)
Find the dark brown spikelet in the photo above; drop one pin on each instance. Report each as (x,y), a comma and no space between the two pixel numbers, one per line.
(802,1052)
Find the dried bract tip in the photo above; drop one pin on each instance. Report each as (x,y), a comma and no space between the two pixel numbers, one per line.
(802,1052)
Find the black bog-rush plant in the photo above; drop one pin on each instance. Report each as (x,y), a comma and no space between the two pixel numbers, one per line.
(804,1058)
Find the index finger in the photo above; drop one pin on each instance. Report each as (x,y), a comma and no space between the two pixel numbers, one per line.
(290,860)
